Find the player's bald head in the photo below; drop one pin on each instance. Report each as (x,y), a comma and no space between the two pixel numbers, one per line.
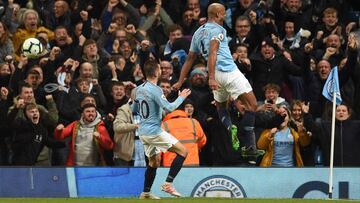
(215,8)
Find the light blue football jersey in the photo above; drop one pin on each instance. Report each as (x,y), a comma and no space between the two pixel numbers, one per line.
(200,43)
(149,104)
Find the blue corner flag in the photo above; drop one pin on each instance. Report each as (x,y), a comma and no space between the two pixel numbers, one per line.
(332,85)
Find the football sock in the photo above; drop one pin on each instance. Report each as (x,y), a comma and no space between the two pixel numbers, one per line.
(247,128)
(150,174)
(224,117)
(175,168)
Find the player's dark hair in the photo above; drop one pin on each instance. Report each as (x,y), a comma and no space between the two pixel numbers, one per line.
(150,68)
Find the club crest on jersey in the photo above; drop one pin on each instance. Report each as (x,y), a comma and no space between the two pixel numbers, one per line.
(221,37)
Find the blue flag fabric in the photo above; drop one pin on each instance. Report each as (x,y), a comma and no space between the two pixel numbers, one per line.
(332,85)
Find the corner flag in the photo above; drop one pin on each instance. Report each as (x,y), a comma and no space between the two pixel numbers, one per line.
(332,85)
(331,92)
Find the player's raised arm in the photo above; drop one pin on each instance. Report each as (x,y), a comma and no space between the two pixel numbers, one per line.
(184,93)
(185,70)
(165,104)
(214,47)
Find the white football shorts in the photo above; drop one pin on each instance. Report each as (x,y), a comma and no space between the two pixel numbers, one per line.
(154,144)
(232,84)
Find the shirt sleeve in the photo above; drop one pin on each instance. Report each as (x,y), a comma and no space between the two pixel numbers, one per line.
(161,100)
(193,46)
(217,34)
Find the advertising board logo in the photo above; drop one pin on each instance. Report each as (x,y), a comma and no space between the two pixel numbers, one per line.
(218,186)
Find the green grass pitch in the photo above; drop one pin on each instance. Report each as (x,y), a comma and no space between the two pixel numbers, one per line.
(167,200)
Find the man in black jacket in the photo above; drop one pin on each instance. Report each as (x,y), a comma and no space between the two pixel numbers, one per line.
(4,128)
(31,135)
(315,80)
(270,67)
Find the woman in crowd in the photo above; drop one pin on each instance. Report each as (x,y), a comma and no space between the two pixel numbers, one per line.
(347,137)
(282,144)
(307,153)
(6,45)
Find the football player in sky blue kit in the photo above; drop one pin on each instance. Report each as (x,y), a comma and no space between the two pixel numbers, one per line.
(149,104)
(225,79)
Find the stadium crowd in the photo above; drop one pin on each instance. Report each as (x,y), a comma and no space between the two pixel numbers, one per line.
(71,105)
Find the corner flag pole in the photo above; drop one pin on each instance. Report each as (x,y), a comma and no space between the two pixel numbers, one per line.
(332,145)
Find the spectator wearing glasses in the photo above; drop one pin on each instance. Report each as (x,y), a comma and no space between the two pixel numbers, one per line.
(167,72)
(246,33)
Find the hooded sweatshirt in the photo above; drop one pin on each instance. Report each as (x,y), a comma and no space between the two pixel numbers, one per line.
(86,152)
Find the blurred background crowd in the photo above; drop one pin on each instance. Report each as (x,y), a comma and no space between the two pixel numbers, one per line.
(71,104)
